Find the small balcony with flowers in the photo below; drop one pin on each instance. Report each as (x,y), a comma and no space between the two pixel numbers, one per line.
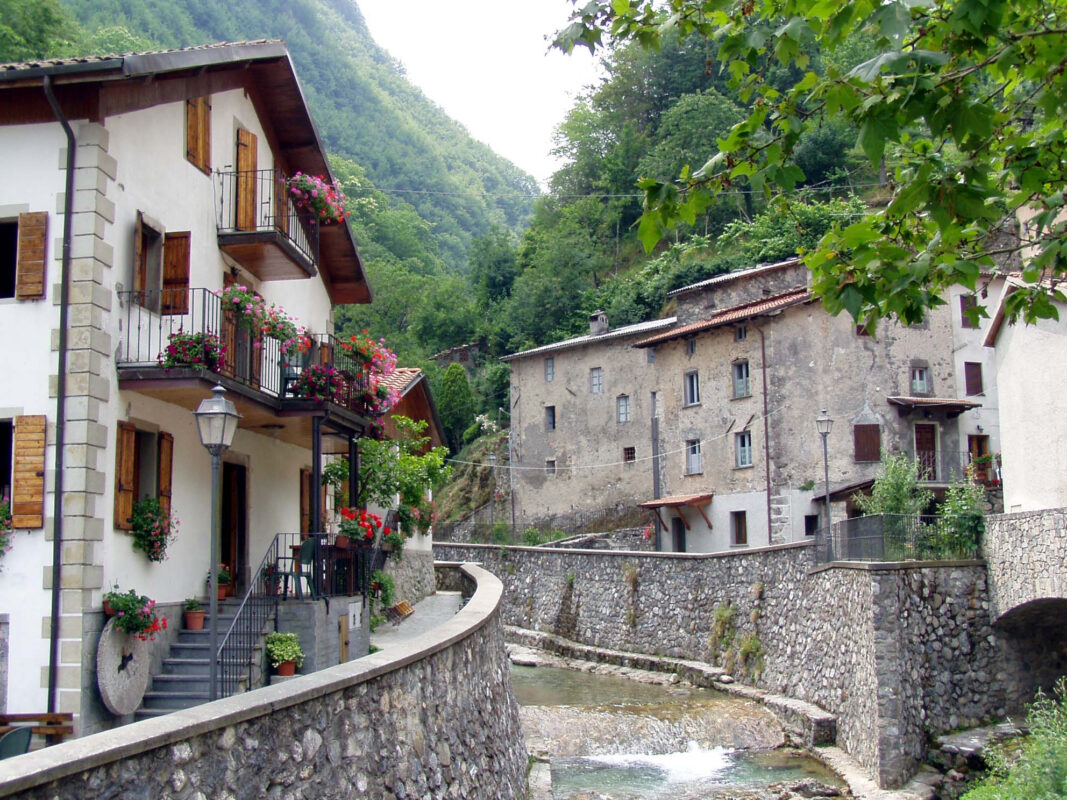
(314,390)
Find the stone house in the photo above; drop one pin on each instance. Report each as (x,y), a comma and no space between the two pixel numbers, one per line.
(708,419)
(164,176)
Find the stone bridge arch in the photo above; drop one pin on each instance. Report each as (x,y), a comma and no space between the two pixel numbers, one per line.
(1034,637)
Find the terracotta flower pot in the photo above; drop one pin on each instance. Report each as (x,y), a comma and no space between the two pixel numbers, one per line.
(194,620)
(286,668)
(224,590)
(108,610)
(341,541)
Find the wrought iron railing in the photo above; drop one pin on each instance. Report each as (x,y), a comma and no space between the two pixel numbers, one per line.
(258,201)
(898,537)
(332,571)
(350,385)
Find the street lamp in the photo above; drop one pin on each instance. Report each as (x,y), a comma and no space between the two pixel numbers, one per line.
(824,424)
(216,419)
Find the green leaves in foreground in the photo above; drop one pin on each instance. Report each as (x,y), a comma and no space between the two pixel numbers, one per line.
(963,105)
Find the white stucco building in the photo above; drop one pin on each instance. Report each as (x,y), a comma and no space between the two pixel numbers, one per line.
(179,166)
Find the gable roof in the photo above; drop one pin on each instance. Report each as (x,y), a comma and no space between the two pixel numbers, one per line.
(737,275)
(578,341)
(732,314)
(95,87)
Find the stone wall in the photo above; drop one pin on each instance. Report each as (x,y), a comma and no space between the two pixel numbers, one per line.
(1027,557)
(405,722)
(890,649)
(412,575)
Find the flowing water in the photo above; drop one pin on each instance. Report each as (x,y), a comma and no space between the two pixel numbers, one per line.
(609,736)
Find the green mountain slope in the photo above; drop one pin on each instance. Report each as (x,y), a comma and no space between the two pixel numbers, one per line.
(365,108)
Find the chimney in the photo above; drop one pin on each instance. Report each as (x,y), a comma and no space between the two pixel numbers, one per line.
(598,323)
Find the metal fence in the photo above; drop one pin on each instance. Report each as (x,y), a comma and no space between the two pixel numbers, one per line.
(897,537)
(257,201)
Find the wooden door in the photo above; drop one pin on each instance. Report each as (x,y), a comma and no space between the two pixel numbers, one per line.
(977,448)
(245,202)
(926,450)
(234,517)
(342,635)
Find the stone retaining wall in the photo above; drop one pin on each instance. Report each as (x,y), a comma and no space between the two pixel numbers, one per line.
(1027,557)
(888,649)
(405,722)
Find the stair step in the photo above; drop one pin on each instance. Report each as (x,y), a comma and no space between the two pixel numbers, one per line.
(186,666)
(174,700)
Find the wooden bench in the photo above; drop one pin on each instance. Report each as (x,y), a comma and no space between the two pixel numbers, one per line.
(400,612)
(52,726)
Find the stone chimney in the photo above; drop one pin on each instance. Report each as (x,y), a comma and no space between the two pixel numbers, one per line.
(598,323)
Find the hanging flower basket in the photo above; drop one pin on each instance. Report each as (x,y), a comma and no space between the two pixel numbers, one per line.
(193,350)
(320,198)
(153,528)
(253,313)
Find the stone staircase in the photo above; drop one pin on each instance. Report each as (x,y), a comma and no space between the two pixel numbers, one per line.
(184,680)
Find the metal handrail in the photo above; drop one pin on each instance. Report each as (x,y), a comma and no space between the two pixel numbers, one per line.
(899,537)
(258,201)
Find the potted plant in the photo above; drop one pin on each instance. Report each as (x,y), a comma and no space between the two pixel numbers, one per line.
(224,581)
(193,350)
(5,525)
(269,574)
(313,193)
(284,653)
(359,525)
(382,587)
(135,614)
(153,528)
(393,540)
(194,615)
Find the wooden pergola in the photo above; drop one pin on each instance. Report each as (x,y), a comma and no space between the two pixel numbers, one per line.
(697,501)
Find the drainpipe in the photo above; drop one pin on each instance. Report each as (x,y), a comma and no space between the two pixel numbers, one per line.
(656,488)
(766,429)
(61,397)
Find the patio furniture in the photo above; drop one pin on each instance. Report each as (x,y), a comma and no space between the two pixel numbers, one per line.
(15,742)
(301,566)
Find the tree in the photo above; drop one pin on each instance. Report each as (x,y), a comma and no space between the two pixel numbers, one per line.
(492,265)
(34,29)
(455,404)
(402,470)
(897,489)
(963,100)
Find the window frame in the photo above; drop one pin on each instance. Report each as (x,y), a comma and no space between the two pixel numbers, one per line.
(739,528)
(629,454)
(927,384)
(741,449)
(691,388)
(861,446)
(742,385)
(967,302)
(550,466)
(550,369)
(694,457)
(596,380)
(741,332)
(550,418)
(972,378)
(623,409)
(691,346)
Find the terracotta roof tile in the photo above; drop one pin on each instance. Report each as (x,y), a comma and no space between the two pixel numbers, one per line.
(733,276)
(403,378)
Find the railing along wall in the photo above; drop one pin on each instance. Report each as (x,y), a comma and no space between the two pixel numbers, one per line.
(900,537)
(259,201)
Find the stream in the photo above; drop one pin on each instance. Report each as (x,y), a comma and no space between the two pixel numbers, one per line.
(606,735)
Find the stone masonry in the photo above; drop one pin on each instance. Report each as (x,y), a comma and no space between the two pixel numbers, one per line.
(892,650)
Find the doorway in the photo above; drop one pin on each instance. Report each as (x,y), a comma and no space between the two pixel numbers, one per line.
(926,450)
(678,534)
(233,534)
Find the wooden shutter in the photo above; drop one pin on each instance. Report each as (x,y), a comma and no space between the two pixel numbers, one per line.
(967,302)
(972,372)
(27,473)
(198,132)
(175,273)
(305,500)
(33,238)
(125,474)
(867,440)
(281,203)
(166,469)
(246,180)
(140,257)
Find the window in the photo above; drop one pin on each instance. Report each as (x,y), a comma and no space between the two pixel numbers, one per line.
(622,408)
(143,466)
(967,302)
(690,346)
(743,446)
(739,527)
(596,380)
(811,524)
(740,333)
(920,380)
(692,388)
(651,355)
(693,462)
(741,387)
(629,454)
(161,267)
(862,330)
(550,369)
(198,132)
(867,442)
(550,466)
(550,418)
(654,401)
(972,372)
(22,256)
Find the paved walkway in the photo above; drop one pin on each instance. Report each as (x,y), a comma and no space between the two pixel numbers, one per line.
(429,614)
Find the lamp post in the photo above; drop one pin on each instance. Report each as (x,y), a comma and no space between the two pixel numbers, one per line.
(216,419)
(824,424)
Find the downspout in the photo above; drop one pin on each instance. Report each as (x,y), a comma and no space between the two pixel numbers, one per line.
(766,429)
(61,398)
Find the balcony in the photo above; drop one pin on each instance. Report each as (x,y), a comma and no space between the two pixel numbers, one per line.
(896,537)
(260,228)
(263,380)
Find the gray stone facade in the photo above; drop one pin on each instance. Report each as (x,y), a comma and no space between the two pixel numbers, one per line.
(436,721)
(891,650)
(412,574)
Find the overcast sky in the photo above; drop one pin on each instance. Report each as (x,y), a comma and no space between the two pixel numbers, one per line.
(486,63)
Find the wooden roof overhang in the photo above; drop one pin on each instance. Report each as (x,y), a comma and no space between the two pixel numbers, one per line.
(697,501)
(416,403)
(287,420)
(951,407)
(95,88)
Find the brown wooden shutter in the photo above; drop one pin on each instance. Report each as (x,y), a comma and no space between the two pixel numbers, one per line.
(972,372)
(175,273)
(305,500)
(33,239)
(27,473)
(125,474)
(198,132)
(246,180)
(867,440)
(140,257)
(281,203)
(967,302)
(166,469)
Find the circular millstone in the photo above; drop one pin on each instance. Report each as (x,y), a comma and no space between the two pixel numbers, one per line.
(122,669)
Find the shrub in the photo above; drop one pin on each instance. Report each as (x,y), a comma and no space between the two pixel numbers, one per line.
(386,587)
(962,521)
(896,490)
(282,647)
